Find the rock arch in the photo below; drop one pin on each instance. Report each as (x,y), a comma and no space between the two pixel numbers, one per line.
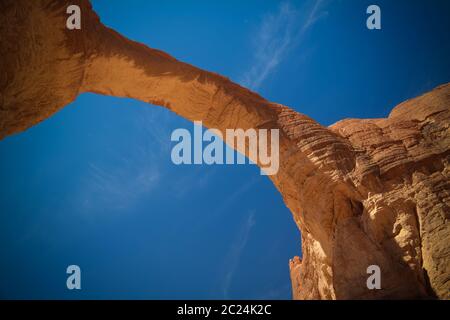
(362,192)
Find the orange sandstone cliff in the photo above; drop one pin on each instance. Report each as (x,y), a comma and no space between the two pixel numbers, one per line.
(362,192)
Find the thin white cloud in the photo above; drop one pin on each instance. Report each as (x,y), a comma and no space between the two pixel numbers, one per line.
(223,207)
(282,291)
(127,175)
(277,35)
(234,255)
(118,186)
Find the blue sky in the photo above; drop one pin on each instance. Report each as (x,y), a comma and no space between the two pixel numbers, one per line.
(94,184)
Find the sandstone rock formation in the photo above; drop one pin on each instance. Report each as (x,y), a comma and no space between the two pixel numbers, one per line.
(362,192)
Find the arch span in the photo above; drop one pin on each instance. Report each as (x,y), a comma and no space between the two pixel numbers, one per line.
(362,192)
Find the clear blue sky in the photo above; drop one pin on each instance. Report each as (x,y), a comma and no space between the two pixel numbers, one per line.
(94,185)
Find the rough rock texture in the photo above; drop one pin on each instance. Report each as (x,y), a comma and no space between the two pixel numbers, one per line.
(362,192)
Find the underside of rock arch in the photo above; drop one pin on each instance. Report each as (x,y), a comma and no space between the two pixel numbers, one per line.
(362,192)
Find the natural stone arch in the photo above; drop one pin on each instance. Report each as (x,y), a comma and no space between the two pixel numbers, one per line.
(362,192)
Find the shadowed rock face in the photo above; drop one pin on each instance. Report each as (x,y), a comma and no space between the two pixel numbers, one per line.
(362,192)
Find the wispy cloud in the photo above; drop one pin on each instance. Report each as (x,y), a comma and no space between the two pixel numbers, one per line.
(234,255)
(222,208)
(198,178)
(131,173)
(118,186)
(276,293)
(277,35)
(128,173)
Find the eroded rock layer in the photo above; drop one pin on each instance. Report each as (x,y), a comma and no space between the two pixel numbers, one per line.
(362,192)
